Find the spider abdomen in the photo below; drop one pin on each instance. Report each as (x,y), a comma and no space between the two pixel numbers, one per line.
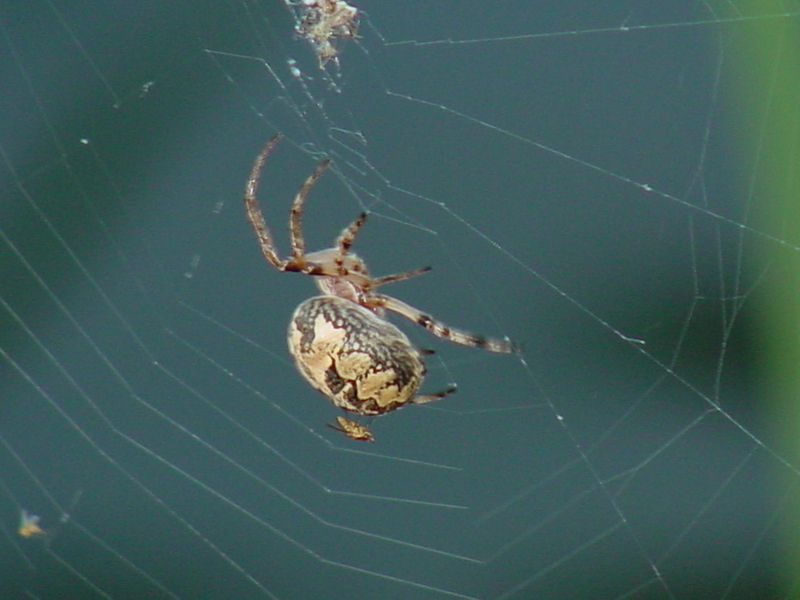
(358,360)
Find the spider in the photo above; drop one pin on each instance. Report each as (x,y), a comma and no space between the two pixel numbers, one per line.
(341,342)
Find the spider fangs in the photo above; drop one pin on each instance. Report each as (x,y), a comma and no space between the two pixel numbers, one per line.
(341,342)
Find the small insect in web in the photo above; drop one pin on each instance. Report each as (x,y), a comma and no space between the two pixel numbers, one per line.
(353,430)
(322,22)
(29,526)
(341,342)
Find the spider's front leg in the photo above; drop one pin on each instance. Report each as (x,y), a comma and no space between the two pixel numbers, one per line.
(296,217)
(254,211)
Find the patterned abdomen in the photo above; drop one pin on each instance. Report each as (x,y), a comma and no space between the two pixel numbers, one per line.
(361,362)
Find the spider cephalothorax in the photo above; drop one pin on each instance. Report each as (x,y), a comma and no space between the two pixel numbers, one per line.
(340,340)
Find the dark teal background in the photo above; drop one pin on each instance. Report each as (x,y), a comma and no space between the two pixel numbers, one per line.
(571,187)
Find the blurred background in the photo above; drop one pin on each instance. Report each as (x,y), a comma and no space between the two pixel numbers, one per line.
(614,187)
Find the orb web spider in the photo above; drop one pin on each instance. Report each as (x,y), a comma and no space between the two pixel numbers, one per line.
(340,341)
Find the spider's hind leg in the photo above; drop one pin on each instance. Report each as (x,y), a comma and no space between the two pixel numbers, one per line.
(399,276)
(425,399)
(440,330)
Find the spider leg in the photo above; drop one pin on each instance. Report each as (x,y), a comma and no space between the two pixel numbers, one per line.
(346,239)
(457,336)
(399,276)
(433,397)
(253,210)
(295,217)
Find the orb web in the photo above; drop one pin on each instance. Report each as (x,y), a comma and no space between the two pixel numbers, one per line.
(599,183)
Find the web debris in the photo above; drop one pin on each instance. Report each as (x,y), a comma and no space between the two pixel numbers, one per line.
(29,525)
(322,22)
